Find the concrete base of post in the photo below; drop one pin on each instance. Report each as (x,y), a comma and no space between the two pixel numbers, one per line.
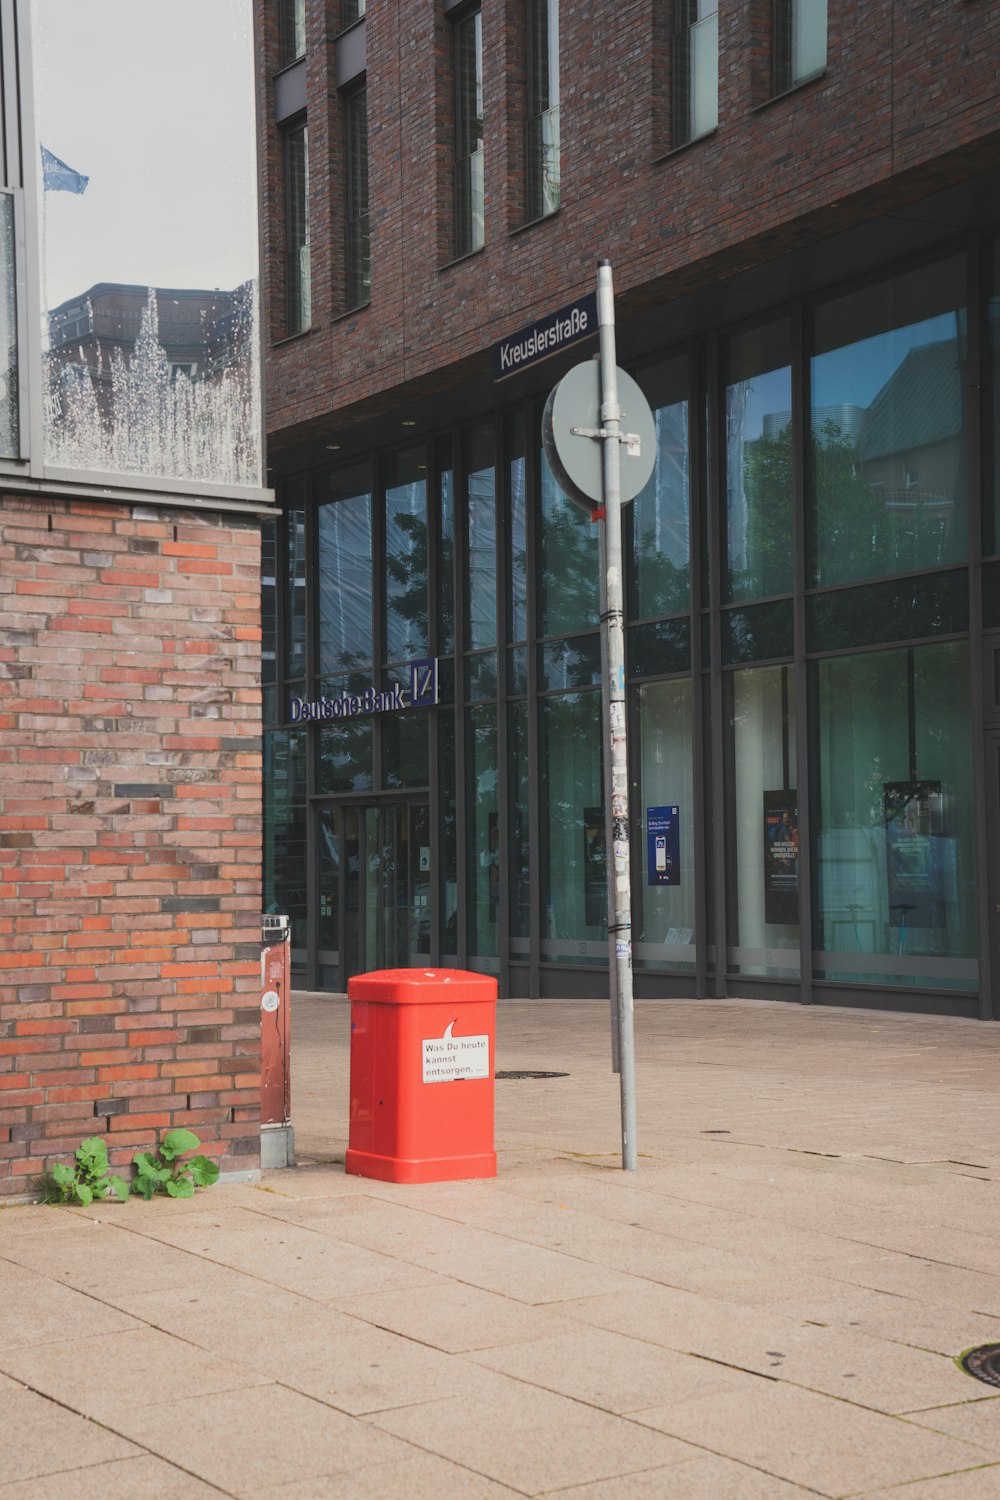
(277,1147)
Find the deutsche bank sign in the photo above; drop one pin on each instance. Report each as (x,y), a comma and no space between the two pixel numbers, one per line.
(421,693)
(551,335)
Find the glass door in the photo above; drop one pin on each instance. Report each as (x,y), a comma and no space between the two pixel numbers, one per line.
(386,862)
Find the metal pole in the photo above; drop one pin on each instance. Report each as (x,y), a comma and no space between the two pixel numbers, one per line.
(616,747)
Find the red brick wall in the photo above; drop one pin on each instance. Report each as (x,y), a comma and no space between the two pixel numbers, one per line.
(130,787)
(908,104)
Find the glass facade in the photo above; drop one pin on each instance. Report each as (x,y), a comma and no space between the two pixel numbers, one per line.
(759,463)
(665,916)
(482,880)
(346,629)
(888,443)
(150,331)
(130,347)
(9,417)
(764,828)
(894,846)
(802,692)
(573,863)
(406,615)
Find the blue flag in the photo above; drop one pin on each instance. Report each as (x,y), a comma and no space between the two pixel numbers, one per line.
(57,177)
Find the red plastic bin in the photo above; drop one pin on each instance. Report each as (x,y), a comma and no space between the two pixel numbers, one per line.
(422,1048)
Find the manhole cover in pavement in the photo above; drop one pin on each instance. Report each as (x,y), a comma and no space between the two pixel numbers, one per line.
(525,1073)
(983,1363)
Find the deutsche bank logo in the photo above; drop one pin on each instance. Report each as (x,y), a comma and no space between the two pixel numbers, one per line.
(423,683)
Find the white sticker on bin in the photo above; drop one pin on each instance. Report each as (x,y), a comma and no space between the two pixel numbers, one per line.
(447,1058)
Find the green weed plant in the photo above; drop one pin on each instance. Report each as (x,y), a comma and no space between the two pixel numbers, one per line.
(171,1169)
(88,1178)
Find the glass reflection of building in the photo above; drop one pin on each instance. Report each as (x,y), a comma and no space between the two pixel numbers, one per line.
(802,694)
(106,373)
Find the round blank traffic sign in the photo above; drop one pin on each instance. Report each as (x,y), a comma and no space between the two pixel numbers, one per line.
(577,462)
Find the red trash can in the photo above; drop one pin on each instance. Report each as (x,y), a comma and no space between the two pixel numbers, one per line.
(422,1044)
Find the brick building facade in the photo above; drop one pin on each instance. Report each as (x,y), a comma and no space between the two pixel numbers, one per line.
(130,607)
(130,833)
(801,205)
(905,108)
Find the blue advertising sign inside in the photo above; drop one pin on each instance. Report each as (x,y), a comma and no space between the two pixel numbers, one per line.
(551,335)
(663,846)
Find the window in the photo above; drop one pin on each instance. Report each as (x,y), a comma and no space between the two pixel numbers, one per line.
(991,518)
(542,126)
(664,918)
(9,423)
(894,818)
(345,571)
(351,11)
(481,538)
(887,467)
(294,562)
(764,827)
(482,832)
(291,30)
(568,567)
(758,515)
(799,41)
(660,574)
(298,294)
(404,589)
(101,377)
(696,69)
(356,133)
(572,859)
(468,132)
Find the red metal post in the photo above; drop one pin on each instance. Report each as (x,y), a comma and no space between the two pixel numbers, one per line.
(275,1042)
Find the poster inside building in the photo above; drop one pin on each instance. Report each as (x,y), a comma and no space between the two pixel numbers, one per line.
(781,857)
(663,846)
(595,867)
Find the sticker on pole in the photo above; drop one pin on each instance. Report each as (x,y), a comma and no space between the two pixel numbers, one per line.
(448,1058)
(270,1000)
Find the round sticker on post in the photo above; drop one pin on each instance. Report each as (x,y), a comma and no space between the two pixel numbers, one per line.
(270,1000)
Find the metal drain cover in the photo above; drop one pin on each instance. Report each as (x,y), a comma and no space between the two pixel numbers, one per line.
(983,1363)
(524,1073)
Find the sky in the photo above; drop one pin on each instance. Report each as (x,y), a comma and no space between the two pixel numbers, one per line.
(153,101)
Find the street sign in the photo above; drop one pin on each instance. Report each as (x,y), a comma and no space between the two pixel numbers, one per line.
(550,335)
(572,435)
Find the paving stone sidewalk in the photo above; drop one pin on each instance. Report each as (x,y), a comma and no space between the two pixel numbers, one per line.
(769,1308)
